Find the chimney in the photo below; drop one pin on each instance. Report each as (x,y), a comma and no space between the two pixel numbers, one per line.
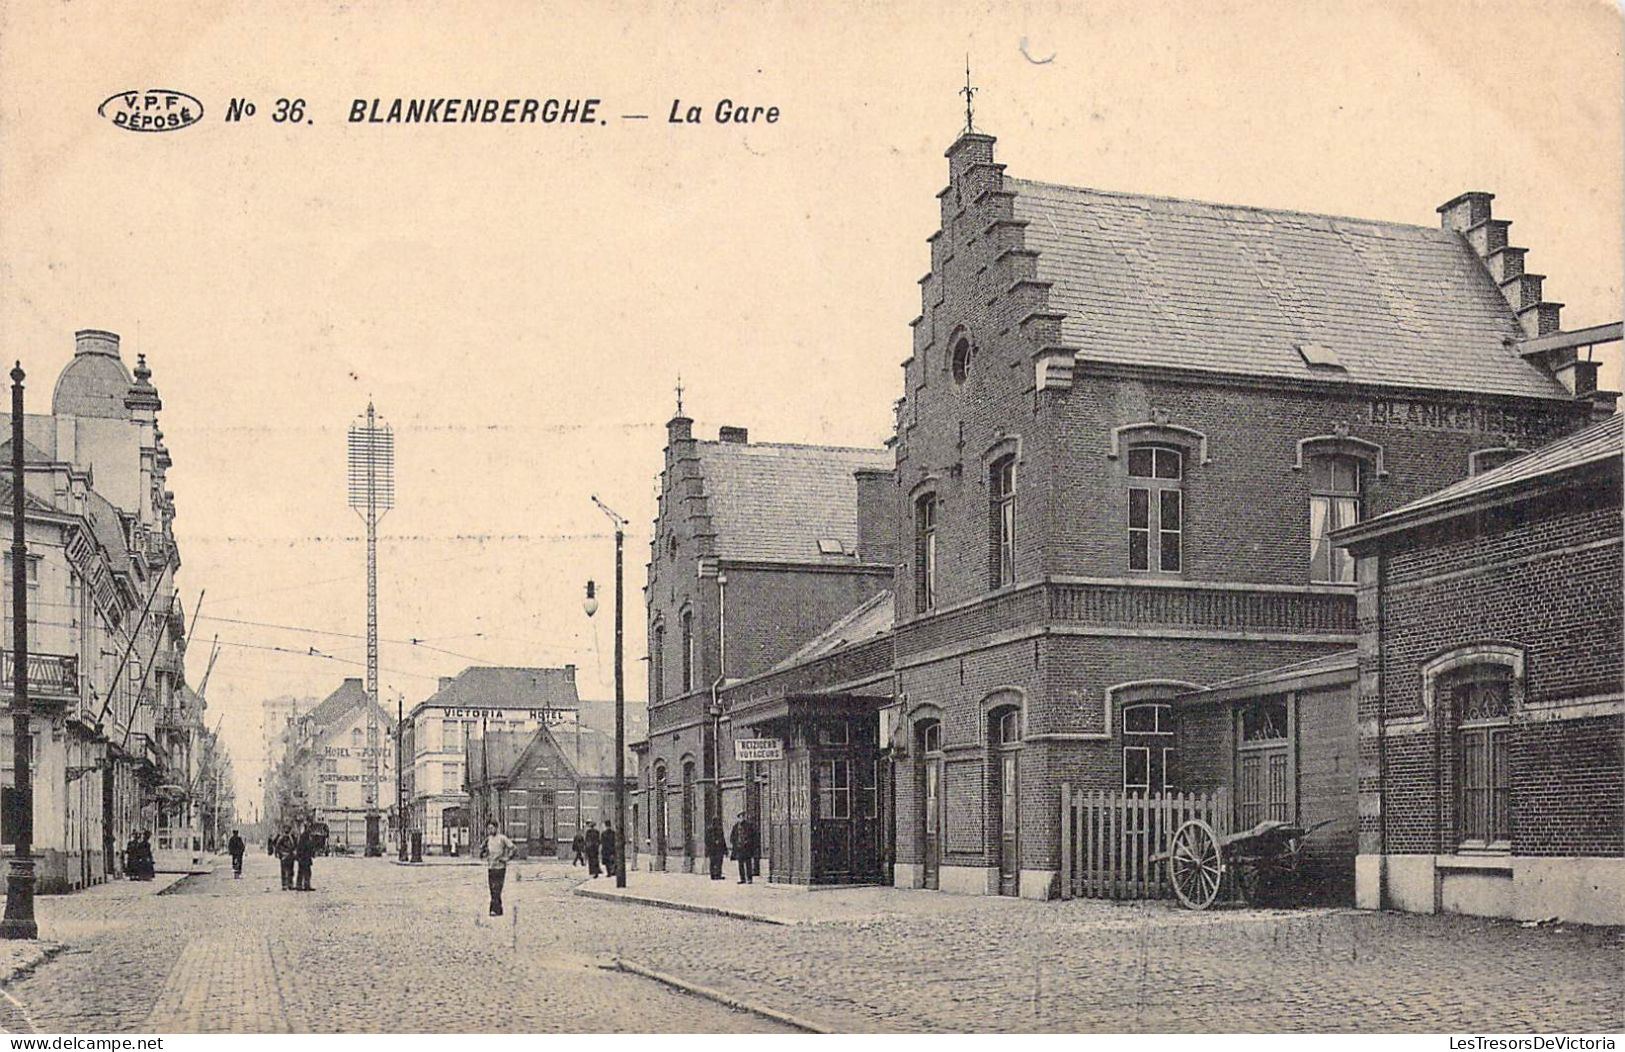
(570,673)
(737,435)
(877,529)
(1470,216)
(445,681)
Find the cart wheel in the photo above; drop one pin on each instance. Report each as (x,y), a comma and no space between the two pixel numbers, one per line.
(1196,864)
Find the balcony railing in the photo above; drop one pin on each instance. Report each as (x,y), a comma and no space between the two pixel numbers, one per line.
(51,677)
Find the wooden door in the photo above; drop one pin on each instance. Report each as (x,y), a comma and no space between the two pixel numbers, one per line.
(1264,775)
(932,821)
(1009,833)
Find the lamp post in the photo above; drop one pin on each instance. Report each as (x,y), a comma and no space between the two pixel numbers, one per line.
(19,918)
(400,774)
(590,605)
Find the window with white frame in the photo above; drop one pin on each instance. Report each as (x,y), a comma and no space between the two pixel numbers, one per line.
(1156,512)
(1334,502)
(688,650)
(1149,755)
(1002,525)
(925,552)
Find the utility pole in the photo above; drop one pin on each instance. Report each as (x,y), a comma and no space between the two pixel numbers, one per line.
(400,771)
(372,495)
(19,920)
(620,701)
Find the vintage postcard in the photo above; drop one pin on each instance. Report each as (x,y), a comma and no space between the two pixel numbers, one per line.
(730,518)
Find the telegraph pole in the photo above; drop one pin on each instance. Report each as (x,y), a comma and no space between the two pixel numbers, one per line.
(19,920)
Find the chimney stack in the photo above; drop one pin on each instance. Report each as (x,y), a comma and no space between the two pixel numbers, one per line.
(877,532)
(445,681)
(736,435)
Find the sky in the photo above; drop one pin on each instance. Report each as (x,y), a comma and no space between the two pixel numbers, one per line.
(519,301)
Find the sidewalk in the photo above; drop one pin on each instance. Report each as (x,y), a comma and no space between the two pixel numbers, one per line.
(64,919)
(785,904)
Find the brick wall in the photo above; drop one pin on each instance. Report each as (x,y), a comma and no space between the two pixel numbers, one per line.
(1540,577)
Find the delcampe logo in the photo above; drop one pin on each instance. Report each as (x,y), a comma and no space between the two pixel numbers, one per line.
(152,110)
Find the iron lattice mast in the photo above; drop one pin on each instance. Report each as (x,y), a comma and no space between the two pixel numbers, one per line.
(372,495)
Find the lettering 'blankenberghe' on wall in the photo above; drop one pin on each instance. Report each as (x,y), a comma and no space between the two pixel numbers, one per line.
(1454,416)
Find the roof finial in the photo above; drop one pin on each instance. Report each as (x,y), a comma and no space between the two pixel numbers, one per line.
(679,394)
(969,93)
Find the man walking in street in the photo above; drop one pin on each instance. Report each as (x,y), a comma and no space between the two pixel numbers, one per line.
(744,847)
(496,851)
(304,853)
(283,847)
(235,847)
(591,838)
(578,844)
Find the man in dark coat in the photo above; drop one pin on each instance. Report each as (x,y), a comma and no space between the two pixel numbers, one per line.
(304,853)
(716,846)
(745,846)
(235,848)
(578,844)
(592,838)
(283,845)
(607,848)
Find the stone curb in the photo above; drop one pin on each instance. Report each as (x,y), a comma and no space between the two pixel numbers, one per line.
(686,907)
(726,1000)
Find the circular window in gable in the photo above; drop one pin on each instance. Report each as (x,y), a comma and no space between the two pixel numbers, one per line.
(961,359)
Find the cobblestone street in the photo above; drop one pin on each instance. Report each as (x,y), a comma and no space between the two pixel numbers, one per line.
(384,947)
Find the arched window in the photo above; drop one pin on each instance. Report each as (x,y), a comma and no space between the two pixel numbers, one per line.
(688,651)
(657,662)
(960,358)
(1334,502)
(1002,521)
(925,552)
(1156,510)
(1479,702)
(688,808)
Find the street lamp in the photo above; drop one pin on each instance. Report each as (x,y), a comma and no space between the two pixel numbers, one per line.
(590,605)
(19,920)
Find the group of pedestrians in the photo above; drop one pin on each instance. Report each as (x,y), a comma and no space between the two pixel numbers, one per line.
(138,860)
(295,849)
(741,844)
(595,849)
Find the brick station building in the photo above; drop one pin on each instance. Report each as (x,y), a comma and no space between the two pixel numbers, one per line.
(1129,427)
(1491,719)
(757,548)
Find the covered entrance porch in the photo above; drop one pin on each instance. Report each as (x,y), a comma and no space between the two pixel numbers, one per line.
(829,792)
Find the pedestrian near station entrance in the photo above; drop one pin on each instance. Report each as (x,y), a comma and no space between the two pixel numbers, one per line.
(235,847)
(578,844)
(496,851)
(592,839)
(744,848)
(716,846)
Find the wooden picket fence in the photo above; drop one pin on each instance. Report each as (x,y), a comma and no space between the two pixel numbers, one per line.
(1108,839)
